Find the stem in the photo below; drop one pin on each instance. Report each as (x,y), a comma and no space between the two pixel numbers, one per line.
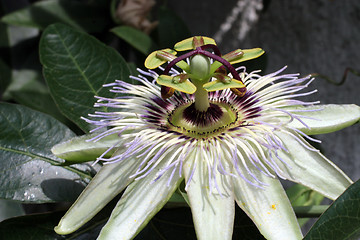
(201,96)
(309,211)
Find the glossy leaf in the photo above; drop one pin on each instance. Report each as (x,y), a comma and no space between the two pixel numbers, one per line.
(86,17)
(5,76)
(39,101)
(41,227)
(135,38)
(25,80)
(18,52)
(5,69)
(186,86)
(342,219)
(75,66)
(9,209)
(26,137)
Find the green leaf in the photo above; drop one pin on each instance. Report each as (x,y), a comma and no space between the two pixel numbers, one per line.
(28,168)
(23,58)
(17,47)
(39,101)
(26,80)
(76,66)
(135,38)
(27,89)
(171,28)
(86,17)
(341,220)
(5,75)
(5,69)
(79,149)
(300,195)
(9,209)
(41,227)
(177,199)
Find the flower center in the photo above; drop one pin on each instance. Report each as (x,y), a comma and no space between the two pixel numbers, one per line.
(191,122)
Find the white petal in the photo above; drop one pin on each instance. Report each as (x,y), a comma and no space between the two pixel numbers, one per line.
(311,168)
(140,202)
(269,208)
(108,182)
(331,118)
(213,215)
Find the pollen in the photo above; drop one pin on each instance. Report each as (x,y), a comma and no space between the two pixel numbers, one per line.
(273,206)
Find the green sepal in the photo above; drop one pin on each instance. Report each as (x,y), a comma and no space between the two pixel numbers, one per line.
(187,44)
(80,149)
(219,85)
(185,86)
(153,61)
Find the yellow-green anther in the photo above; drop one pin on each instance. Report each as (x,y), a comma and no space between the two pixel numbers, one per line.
(186,86)
(234,55)
(154,61)
(163,55)
(180,78)
(222,77)
(248,54)
(198,42)
(187,44)
(220,85)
